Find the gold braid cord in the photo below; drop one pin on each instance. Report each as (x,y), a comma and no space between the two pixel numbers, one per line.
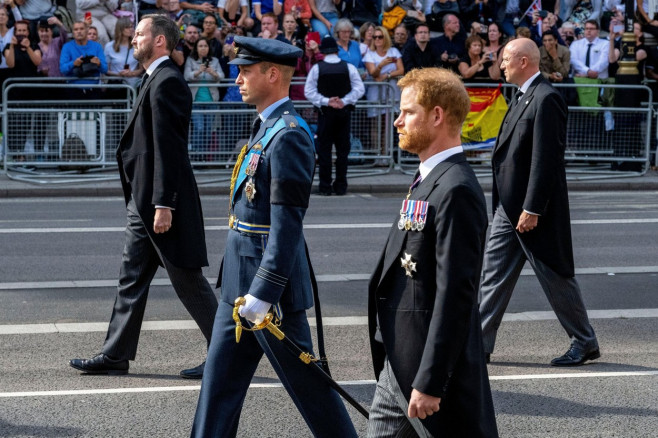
(272,327)
(234,175)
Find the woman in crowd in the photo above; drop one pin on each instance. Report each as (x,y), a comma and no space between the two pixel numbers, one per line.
(476,67)
(325,16)
(51,47)
(348,49)
(293,30)
(495,41)
(384,64)
(6,35)
(119,53)
(202,68)
(366,32)
(310,57)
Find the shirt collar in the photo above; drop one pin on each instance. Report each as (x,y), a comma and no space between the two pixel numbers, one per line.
(429,164)
(155,64)
(527,83)
(270,109)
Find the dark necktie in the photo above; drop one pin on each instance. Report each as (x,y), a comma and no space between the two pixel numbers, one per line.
(589,50)
(142,81)
(255,127)
(515,99)
(415,184)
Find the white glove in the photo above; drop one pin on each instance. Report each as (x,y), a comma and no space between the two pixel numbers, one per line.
(254,309)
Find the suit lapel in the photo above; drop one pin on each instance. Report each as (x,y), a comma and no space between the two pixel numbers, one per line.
(513,115)
(397,238)
(143,90)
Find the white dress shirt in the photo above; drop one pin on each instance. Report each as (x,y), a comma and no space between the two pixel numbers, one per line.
(318,100)
(598,57)
(426,166)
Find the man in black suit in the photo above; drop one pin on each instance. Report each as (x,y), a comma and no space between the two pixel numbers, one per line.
(423,315)
(165,221)
(531,208)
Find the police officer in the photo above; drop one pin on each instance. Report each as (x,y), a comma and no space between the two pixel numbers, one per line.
(333,86)
(265,259)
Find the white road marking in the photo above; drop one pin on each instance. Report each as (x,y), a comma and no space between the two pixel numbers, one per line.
(78,392)
(306,226)
(326,278)
(344,321)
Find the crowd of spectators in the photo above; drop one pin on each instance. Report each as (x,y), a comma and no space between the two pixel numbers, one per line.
(577,39)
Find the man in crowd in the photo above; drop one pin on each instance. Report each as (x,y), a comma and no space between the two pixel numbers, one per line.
(85,59)
(420,53)
(209,31)
(531,208)
(422,298)
(452,44)
(270,28)
(333,86)
(400,37)
(165,221)
(589,56)
(265,261)
(184,47)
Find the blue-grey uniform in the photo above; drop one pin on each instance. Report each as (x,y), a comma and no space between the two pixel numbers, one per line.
(265,256)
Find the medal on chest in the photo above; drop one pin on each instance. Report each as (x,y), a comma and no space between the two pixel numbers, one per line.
(413,215)
(252,166)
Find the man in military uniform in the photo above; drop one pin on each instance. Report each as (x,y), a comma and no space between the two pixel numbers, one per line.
(265,259)
(333,86)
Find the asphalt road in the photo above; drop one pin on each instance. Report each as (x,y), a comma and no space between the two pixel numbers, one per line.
(60,258)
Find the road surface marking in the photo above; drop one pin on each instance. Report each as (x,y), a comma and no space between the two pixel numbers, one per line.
(279,385)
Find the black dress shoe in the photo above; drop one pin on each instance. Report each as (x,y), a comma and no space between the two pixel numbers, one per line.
(100,364)
(322,193)
(576,356)
(193,373)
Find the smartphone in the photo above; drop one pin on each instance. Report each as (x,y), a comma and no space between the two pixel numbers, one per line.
(618,28)
(313,36)
(126,67)
(87,16)
(229,39)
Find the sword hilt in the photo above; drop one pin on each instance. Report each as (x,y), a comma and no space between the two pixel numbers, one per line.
(266,323)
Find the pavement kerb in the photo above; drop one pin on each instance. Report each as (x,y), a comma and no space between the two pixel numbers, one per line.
(390,183)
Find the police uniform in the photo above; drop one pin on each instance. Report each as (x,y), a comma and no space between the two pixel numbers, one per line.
(265,257)
(333,77)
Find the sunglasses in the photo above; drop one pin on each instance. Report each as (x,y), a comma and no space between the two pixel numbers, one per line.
(378,37)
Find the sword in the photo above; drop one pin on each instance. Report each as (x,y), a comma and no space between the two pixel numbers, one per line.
(305,357)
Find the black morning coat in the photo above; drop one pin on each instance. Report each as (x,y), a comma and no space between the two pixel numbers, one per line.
(430,323)
(529,173)
(155,168)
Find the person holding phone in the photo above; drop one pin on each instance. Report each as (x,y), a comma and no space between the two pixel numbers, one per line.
(476,66)
(119,54)
(554,59)
(101,14)
(201,67)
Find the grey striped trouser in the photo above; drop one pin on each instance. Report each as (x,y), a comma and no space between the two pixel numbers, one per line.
(388,414)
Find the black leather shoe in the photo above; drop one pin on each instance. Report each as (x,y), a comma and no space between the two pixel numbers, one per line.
(576,356)
(193,373)
(322,193)
(100,364)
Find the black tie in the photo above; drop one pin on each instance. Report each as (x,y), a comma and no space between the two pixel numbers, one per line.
(255,127)
(589,50)
(142,81)
(517,96)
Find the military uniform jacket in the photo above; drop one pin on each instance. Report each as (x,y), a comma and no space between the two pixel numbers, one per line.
(429,323)
(155,169)
(529,173)
(274,267)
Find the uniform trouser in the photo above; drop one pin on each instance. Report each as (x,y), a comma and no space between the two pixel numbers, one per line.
(230,367)
(388,414)
(138,267)
(504,258)
(333,129)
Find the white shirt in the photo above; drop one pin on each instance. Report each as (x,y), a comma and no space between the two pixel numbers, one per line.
(527,83)
(317,99)
(426,166)
(598,56)
(270,109)
(155,64)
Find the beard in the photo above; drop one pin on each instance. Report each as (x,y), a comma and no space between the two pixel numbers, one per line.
(143,54)
(414,141)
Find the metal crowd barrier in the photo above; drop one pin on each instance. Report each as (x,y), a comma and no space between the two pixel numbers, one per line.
(602,141)
(53,131)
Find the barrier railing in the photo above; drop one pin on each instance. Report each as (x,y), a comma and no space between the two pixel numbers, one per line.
(70,131)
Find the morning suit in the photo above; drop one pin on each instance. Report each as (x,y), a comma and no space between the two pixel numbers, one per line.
(274,268)
(155,170)
(529,174)
(426,326)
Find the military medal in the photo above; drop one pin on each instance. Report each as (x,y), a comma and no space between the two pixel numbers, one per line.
(250,190)
(408,264)
(413,215)
(250,187)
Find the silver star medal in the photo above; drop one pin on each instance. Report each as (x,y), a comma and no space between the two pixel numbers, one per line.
(408,264)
